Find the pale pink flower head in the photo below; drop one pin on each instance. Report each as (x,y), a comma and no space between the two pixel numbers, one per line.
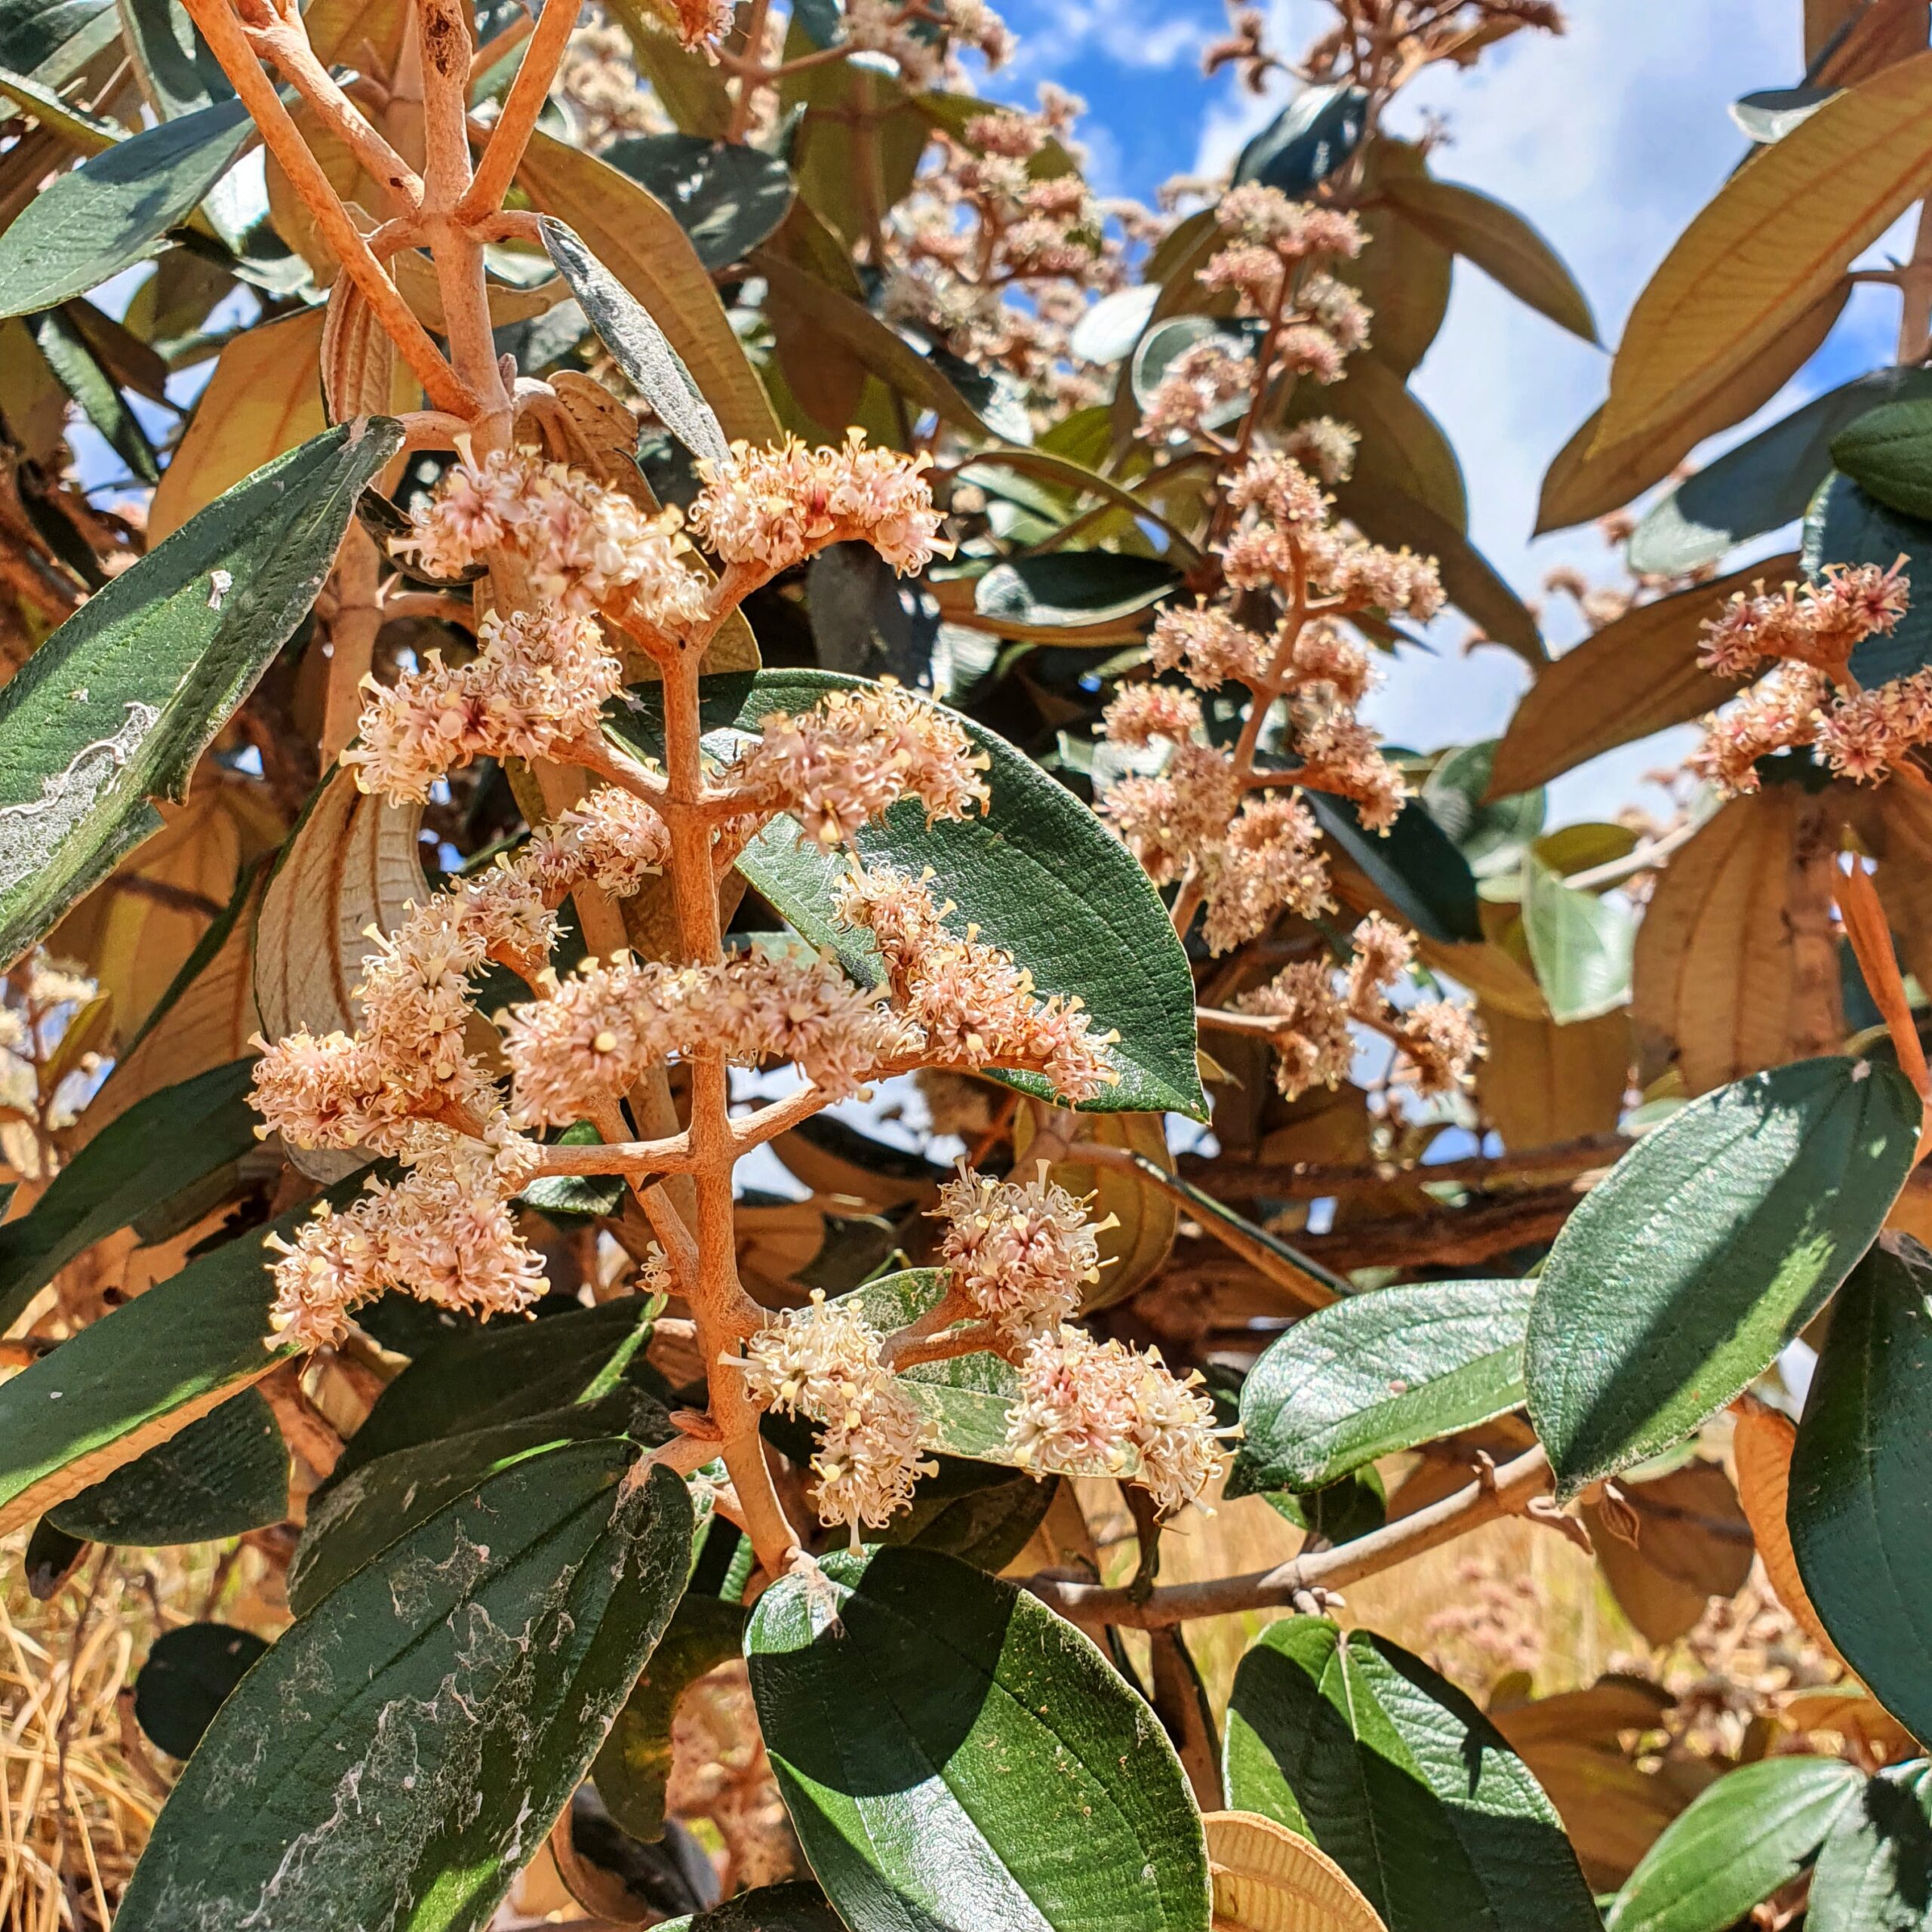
(1313,1046)
(1207,645)
(1140,715)
(1023,1253)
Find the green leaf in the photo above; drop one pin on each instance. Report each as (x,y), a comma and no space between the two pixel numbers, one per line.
(160,1148)
(1164,345)
(116,208)
(1308,140)
(1846,525)
(354,1518)
(50,1557)
(52,40)
(1874,1873)
(1388,1768)
(223,1475)
(118,704)
(142,1373)
(799,1906)
(1887,449)
(1708,1246)
(1413,866)
(1767,480)
(1073,588)
(727,198)
(79,372)
(638,240)
(1499,241)
(506,1371)
(575,1201)
(176,68)
(1375,1374)
(959,1512)
(1857,1525)
(1579,944)
(634,1766)
(944,1743)
(189,1674)
(1108,329)
(1341,1511)
(643,350)
(1491,834)
(1038,872)
(1737,1842)
(399,1754)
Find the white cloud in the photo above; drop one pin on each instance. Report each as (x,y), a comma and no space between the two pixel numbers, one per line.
(1609,138)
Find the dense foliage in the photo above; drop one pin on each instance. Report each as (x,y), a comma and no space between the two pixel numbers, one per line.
(714,1003)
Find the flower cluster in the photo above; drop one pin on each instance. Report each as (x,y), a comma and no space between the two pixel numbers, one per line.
(1196,390)
(1270,238)
(1088,1407)
(907,34)
(968,1005)
(1436,1040)
(823,1361)
(1807,633)
(1022,1252)
(597,1031)
(844,762)
(770,509)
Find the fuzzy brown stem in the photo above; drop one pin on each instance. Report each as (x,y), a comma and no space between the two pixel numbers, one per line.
(502,154)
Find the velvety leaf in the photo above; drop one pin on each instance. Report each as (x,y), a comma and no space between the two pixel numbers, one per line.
(1639,674)
(633,1766)
(1351,1742)
(1404,450)
(727,198)
(1875,1871)
(1353,1506)
(1413,866)
(797,1906)
(79,372)
(1135,1221)
(160,1149)
(50,1560)
(1164,345)
(1541,1083)
(1579,944)
(1711,1243)
(115,209)
(1074,588)
(1038,873)
(355,1516)
(643,350)
(176,70)
(1269,1879)
(189,1674)
(1375,1374)
(52,40)
(1499,242)
(639,241)
(959,1512)
(1769,114)
(941,1739)
(1308,140)
(1846,525)
(1828,191)
(1883,449)
(1492,835)
(399,1755)
(223,1475)
(1404,274)
(1585,481)
(161,668)
(1767,480)
(1857,1505)
(1750,1833)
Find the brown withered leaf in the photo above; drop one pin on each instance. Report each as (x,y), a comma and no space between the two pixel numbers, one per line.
(1541,1083)
(1268,1879)
(1692,1543)
(1761,1446)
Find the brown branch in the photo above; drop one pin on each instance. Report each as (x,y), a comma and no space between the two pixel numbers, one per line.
(1310,1180)
(502,154)
(1503,1492)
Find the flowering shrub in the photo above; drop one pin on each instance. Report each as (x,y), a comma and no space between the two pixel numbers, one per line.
(791,1140)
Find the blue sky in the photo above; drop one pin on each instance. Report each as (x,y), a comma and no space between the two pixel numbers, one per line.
(1609,138)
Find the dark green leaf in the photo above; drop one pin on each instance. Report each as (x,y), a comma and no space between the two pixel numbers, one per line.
(867,620)
(1858,1502)
(1579,944)
(116,208)
(160,1148)
(799,1906)
(51,1557)
(1308,140)
(1038,873)
(50,40)
(506,1371)
(1740,1840)
(177,69)
(79,372)
(1375,1374)
(1875,1873)
(1164,343)
(1887,449)
(189,1676)
(1351,1742)
(1340,1511)
(118,704)
(1767,480)
(1413,866)
(642,350)
(985,1524)
(575,1199)
(634,1766)
(399,1755)
(224,1474)
(727,198)
(944,1742)
(1074,587)
(1845,525)
(1705,1249)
